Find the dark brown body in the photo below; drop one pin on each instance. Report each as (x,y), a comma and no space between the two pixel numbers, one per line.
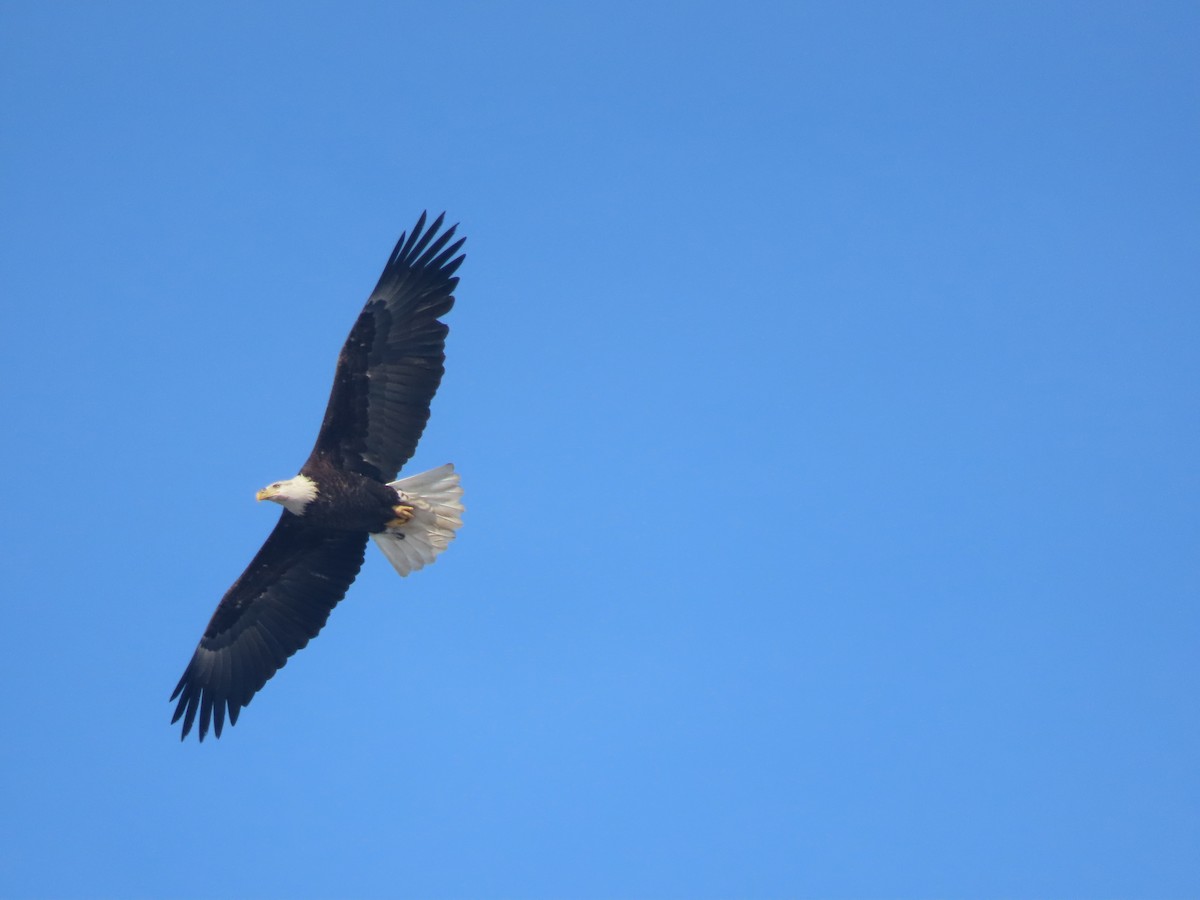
(347,501)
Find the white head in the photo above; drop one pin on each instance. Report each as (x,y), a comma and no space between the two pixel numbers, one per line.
(294,494)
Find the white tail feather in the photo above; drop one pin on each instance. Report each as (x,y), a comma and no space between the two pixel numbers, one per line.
(436,498)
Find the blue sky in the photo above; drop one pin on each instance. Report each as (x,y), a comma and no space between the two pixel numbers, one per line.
(823,380)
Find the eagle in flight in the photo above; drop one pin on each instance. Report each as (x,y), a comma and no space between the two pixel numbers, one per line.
(387,374)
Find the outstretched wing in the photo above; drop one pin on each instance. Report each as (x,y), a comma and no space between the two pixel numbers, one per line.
(276,607)
(392,363)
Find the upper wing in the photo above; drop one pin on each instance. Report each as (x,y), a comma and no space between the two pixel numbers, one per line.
(277,605)
(392,363)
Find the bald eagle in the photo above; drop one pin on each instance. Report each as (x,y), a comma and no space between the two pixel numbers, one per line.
(387,374)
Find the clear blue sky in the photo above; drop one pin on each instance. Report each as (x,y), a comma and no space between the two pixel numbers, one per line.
(823,380)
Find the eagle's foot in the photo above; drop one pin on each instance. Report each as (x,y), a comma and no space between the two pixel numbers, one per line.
(404,514)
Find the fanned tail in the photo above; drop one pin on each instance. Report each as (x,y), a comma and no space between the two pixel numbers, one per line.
(436,499)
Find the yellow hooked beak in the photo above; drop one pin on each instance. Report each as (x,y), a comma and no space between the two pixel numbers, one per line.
(265,494)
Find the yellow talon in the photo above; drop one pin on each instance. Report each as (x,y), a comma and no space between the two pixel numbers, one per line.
(404,514)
